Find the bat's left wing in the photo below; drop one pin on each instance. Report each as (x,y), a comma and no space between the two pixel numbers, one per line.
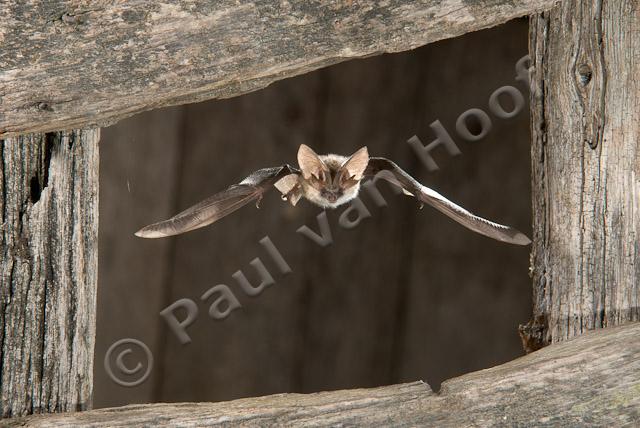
(219,205)
(384,168)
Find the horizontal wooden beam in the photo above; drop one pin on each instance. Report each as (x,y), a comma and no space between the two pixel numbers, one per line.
(75,64)
(592,379)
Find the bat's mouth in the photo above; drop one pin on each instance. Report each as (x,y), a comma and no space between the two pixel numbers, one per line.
(330,195)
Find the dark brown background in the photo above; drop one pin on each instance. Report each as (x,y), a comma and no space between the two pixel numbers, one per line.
(406,295)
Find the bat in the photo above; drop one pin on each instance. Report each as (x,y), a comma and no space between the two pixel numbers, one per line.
(327,181)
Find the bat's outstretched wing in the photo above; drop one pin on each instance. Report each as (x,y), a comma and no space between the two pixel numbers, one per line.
(219,205)
(384,168)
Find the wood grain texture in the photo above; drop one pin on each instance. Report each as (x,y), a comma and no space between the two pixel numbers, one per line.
(586,168)
(591,380)
(48,265)
(114,59)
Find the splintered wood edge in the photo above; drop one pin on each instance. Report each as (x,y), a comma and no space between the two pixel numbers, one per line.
(594,378)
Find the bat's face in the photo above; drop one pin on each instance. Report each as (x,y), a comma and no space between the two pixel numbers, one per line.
(332,180)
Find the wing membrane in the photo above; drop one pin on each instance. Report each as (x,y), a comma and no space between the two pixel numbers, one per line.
(219,205)
(391,172)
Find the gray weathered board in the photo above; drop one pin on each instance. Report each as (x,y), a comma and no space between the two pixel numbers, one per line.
(49,271)
(586,168)
(592,380)
(71,64)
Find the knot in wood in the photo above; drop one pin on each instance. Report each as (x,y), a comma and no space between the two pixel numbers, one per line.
(44,106)
(584,74)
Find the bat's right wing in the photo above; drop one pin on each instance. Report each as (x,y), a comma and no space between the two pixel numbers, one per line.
(219,205)
(384,168)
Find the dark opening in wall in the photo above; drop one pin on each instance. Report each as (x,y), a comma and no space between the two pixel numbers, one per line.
(406,295)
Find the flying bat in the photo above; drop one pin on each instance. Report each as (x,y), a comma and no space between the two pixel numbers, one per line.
(327,181)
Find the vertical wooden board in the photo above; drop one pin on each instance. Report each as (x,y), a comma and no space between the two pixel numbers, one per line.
(586,165)
(138,182)
(254,351)
(355,289)
(48,271)
(467,293)
(620,207)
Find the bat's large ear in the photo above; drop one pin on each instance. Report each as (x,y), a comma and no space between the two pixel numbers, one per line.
(357,163)
(309,162)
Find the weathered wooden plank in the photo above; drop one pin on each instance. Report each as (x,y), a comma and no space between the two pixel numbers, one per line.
(48,268)
(114,59)
(592,380)
(586,168)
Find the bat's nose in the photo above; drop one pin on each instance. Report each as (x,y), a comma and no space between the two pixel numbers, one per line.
(332,197)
